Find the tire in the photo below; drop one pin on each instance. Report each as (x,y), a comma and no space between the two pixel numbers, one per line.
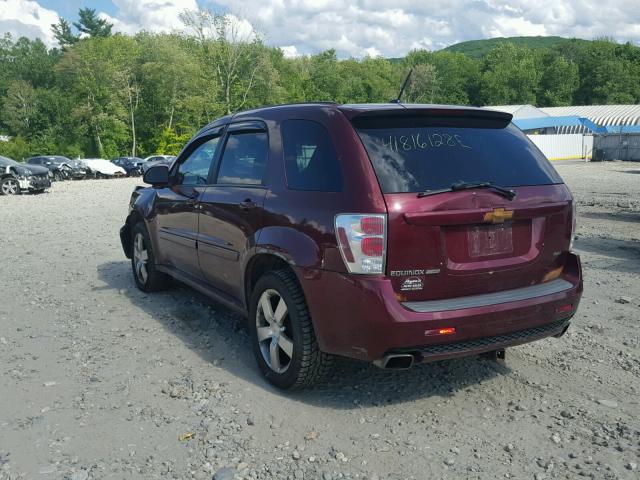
(147,278)
(9,186)
(57,177)
(297,362)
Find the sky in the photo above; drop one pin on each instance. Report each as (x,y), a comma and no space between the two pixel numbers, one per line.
(354,28)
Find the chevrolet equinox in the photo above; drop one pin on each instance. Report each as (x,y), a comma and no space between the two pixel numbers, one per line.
(389,233)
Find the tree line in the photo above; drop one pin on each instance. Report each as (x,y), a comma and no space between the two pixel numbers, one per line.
(101,94)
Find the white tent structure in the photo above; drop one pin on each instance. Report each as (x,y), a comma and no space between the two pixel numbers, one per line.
(603,115)
(520,111)
(572,141)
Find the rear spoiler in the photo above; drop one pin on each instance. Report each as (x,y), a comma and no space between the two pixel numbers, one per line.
(436,116)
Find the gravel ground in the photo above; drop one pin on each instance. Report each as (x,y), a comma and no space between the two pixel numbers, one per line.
(98,380)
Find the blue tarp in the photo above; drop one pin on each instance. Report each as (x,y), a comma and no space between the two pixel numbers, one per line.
(548,122)
(570,121)
(623,129)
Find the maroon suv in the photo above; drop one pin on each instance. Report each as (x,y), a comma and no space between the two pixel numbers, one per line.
(389,233)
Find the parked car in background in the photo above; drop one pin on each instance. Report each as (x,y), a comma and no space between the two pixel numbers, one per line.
(101,168)
(62,168)
(157,160)
(16,178)
(79,169)
(394,234)
(131,165)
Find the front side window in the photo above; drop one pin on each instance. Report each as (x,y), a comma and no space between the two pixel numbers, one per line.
(310,158)
(244,161)
(195,169)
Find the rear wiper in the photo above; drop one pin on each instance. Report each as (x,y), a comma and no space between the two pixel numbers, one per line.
(459,186)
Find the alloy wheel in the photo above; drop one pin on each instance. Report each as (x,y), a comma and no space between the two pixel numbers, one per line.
(140,257)
(10,187)
(274,331)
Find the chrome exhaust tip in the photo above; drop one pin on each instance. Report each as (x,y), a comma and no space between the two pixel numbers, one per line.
(399,361)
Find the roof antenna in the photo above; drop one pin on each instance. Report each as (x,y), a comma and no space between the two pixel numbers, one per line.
(404,85)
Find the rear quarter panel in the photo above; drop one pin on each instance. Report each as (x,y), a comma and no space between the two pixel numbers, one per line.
(299,225)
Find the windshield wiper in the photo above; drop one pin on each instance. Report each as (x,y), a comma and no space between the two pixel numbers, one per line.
(459,186)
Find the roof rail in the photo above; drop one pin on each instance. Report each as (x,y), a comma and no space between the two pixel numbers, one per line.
(321,102)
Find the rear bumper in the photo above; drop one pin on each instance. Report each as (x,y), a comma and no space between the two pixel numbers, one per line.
(360,317)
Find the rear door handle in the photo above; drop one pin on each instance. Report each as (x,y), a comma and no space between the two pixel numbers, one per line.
(247,204)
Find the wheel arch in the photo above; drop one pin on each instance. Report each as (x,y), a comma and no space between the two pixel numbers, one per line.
(257,266)
(133,218)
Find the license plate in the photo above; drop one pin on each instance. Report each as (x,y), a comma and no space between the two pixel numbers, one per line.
(488,240)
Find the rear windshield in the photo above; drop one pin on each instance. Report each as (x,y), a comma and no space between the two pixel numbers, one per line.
(425,153)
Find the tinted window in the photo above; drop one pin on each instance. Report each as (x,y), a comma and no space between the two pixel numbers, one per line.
(418,155)
(310,158)
(35,161)
(195,169)
(245,159)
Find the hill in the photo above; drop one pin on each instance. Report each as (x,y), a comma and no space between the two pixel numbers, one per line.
(479,48)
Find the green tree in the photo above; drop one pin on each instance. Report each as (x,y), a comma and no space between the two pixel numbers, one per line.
(20,107)
(110,94)
(238,57)
(456,75)
(174,93)
(170,142)
(609,73)
(92,25)
(63,34)
(423,85)
(367,81)
(17,148)
(559,80)
(90,72)
(322,76)
(510,75)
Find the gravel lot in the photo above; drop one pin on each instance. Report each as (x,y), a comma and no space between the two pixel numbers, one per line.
(98,380)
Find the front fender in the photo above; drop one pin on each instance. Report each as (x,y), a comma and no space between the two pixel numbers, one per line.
(141,208)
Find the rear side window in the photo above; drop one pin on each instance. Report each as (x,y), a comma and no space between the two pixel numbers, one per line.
(310,158)
(244,161)
(420,154)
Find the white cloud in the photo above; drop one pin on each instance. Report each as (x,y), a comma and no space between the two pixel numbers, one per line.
(26,18)
(361,27)
(152,15)
(516,26)
(290,51)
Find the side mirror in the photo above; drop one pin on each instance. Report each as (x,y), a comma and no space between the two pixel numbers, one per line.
(157,176)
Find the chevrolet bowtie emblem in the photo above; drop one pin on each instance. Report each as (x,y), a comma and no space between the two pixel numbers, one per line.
(498,215)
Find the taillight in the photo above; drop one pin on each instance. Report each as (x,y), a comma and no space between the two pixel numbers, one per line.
(574,214)
(362,241)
